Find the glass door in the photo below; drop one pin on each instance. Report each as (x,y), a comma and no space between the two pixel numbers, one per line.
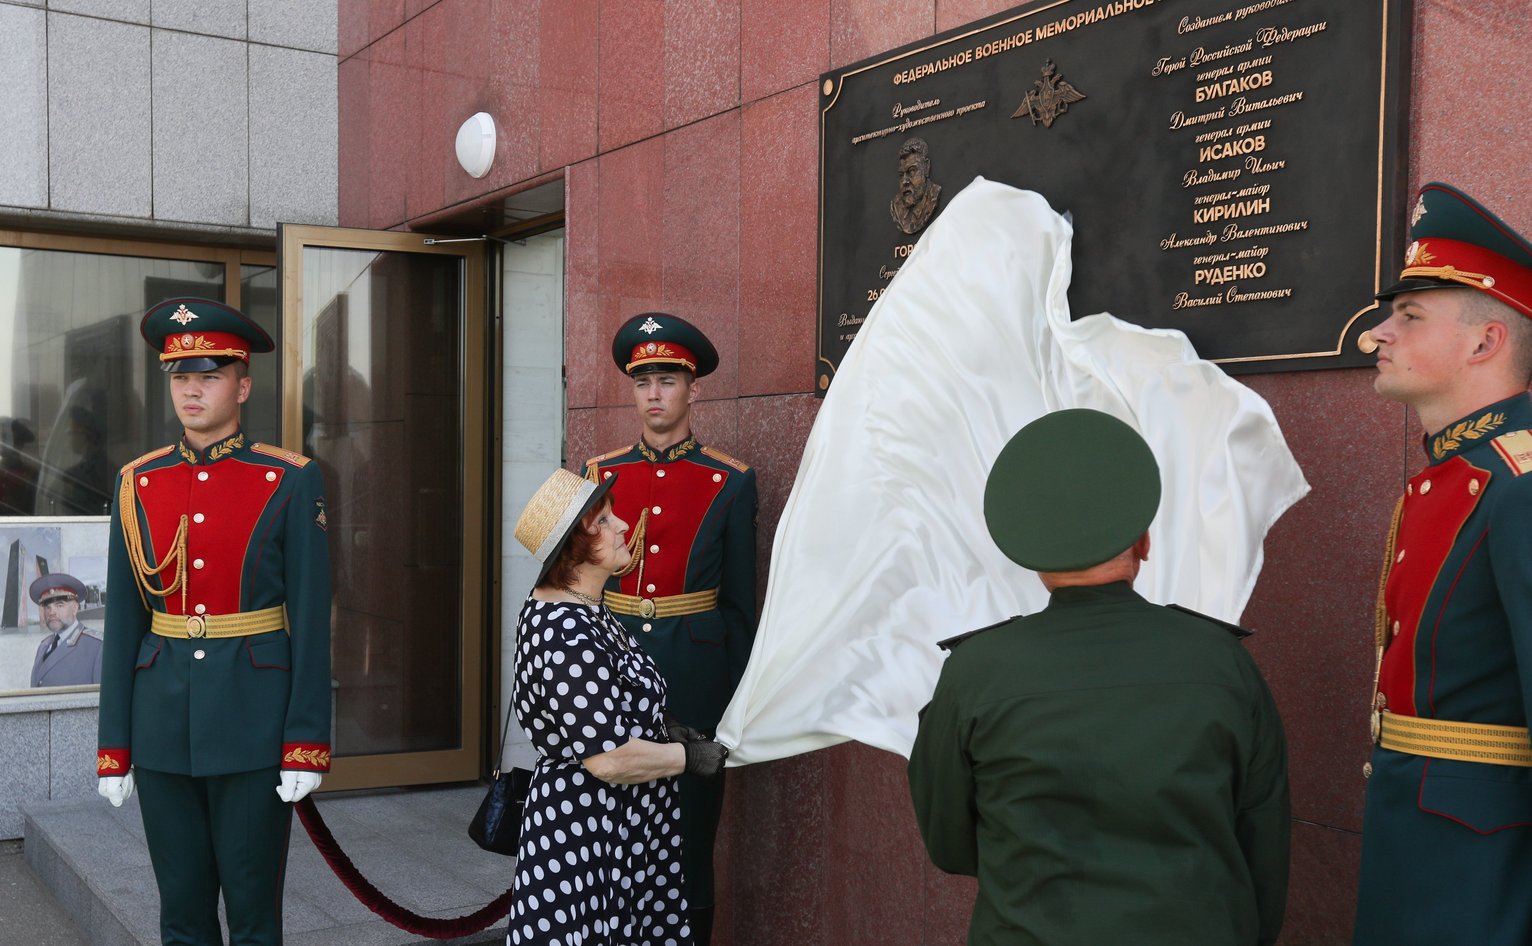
(384,364)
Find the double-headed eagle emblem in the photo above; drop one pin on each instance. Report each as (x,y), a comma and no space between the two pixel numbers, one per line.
(1049,97)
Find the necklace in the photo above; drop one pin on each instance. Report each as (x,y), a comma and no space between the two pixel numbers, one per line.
(584,598)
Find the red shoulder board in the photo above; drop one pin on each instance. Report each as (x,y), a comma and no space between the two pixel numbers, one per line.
(722,457)
(1515,448)
(296,459)
(152,454)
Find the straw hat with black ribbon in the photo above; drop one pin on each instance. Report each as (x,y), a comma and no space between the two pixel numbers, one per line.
(553,512)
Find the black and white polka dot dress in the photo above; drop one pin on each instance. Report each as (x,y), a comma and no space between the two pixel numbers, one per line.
(598,864)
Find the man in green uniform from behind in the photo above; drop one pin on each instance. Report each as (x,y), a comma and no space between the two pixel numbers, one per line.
(1112,771)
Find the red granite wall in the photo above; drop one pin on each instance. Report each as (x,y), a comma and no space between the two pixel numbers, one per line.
(685,131)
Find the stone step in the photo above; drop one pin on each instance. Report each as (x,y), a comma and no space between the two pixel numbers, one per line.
(411,843)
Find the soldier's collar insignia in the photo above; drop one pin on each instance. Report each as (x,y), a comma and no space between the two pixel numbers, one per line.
(673,453)
(650,326)
(182,315)
(1457,436)
(214,453)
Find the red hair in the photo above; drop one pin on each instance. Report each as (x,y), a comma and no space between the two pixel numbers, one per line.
(577,550)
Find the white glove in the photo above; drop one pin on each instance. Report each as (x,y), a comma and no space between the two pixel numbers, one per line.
(116,788)
(297,784)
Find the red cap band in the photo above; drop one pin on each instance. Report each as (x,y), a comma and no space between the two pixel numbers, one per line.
(1472,266)
(205,345)
(649,353)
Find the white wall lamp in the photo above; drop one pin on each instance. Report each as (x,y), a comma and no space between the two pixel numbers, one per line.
(476,144)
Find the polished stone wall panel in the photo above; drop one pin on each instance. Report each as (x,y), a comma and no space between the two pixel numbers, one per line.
(701,234)
(24,107)
(296,24)
(701,59)
(201,129)
(99,159)
(784,43)
(226,18)
(293,137)
(631,83)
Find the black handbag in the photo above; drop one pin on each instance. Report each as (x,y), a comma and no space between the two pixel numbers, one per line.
(496,826)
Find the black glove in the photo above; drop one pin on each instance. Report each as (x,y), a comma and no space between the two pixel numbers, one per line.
(705,757)
(680,732)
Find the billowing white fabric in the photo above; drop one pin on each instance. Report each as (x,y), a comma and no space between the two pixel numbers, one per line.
(882,548)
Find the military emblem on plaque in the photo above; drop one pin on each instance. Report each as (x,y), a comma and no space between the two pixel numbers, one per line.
(915,203)
(1049,97)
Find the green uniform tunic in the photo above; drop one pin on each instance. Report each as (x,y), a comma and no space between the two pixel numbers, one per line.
(207,723)
(1447,844)
(1112,772)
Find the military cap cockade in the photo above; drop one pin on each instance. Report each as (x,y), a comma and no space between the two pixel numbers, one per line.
(56,585)
(1457,243)
(1071,490)
(659,341)
(193,334)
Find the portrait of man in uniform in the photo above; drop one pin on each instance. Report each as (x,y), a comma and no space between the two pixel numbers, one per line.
(915,204)
(70,653)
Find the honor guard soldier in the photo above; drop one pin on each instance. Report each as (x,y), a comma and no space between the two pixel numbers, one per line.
(1447,829)
(1112,771)
(215,689)
(688,594)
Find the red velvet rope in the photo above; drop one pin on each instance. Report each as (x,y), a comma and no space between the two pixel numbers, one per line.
(373,899)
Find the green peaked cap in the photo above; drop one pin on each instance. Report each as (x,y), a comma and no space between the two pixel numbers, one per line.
(1070,490)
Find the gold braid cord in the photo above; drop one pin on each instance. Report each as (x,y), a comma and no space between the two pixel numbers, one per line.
(635,550)
(127,508)
(1380,616)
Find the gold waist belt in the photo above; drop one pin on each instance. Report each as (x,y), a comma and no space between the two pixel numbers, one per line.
(672,606)
(219,625)
(1463,742)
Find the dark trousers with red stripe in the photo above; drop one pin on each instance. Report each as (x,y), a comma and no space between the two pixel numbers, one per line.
(217,833)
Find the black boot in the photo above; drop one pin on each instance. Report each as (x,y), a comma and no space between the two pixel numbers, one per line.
(702,925)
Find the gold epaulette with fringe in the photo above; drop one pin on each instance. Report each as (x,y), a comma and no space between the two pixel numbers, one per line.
(145,459)
(1515,448)
(722,457)
(296,459)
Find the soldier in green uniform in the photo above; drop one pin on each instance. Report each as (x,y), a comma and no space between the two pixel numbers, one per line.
(215,680)
(1447,830)
(688,595)
(1111,771)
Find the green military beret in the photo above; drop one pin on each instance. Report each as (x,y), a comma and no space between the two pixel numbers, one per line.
(1455,243)
(193,334)
(659,341)
(1071,490)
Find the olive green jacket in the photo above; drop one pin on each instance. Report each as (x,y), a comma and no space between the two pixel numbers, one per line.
(1112,772)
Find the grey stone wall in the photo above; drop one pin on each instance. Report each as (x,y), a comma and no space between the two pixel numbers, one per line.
(47,751)
(184,115)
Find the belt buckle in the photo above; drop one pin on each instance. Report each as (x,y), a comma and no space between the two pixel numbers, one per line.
(646,607)
(196,626)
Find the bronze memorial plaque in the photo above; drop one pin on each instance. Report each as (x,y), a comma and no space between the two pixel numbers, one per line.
(1233,168)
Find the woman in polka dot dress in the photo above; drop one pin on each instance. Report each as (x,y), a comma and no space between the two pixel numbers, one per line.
(599,859)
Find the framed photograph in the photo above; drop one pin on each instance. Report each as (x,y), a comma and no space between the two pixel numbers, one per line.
(52,601)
